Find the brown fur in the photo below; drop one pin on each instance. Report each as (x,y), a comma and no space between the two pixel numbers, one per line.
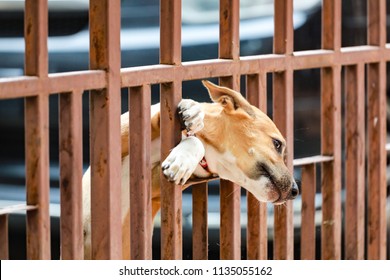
(234,118)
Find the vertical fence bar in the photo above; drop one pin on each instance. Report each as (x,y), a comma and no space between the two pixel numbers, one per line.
(331,134)
(283,117)
(331,171)
(257,237)
(37,132)
(37,176)
(230,198)
(376,127)
(355,157)
(331,25)
(171,194)
(284,28)
(308,226)
(105,138)
(199,222)
(71,172)
(229,20)
(229,48)
(35,34)
(170,95)
(230,229)
(140,173)
(4,250)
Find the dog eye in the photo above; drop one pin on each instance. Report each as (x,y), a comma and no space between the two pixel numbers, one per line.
(277,145)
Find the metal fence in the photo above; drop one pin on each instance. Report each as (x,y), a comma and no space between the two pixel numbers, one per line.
(105,80)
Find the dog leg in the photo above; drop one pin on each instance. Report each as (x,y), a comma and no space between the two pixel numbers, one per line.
(183,160)
(185,157)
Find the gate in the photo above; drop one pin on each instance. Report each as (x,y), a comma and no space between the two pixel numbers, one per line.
(105,80)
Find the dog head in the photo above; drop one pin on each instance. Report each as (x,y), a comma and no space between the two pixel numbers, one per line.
(252,151)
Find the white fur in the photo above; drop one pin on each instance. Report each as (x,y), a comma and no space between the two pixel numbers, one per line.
(225,165)
(183,160)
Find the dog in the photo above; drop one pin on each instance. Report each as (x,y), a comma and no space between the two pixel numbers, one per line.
(228,138)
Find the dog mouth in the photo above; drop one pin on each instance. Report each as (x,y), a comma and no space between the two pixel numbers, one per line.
(271,185)
(278,190)
(279,201)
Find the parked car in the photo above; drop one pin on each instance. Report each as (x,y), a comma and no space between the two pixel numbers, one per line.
(68,45)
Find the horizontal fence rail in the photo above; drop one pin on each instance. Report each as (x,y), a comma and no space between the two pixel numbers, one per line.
(18,87)
(365,134)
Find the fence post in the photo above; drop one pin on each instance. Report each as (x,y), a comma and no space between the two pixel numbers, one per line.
(308,226)
(331,134)
(170,95)
(105,110)
(355,158)
(283,117)
(376,127)
(4,248)
(140,173)
(229,48)
(199,222)
(71,172)
(257,235)
(37,132)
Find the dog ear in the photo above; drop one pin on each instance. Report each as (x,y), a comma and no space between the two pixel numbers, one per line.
(230,99)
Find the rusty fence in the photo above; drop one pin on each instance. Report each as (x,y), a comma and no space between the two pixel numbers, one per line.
(364,236)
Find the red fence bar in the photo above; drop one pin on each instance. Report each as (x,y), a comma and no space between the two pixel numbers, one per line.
(71,172)
(257,237)
(35,34)
(105,131)
(37,132)
(331,175)
(229,48)
(355,157)
(212,68)
(229,20)
(140,173)
(376,126)
(199,222)
(230,201)
(230,229)
(283,116)
(331,134)
(37,176)
(17,87)
(171,194)
(4,250)
(170,96)
(308,226)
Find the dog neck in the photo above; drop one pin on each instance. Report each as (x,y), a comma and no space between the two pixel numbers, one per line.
(203,163)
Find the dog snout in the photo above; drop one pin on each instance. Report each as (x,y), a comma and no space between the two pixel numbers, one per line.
(294,191)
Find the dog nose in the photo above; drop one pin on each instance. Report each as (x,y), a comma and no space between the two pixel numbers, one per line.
(294,191)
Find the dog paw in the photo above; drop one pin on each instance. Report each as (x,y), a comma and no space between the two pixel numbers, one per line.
(191,115)
(183,160)
(176,169)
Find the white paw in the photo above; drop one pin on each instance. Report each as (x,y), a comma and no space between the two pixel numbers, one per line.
(191,114)
(183,160)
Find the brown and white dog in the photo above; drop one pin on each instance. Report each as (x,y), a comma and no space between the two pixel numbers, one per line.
(238,141)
